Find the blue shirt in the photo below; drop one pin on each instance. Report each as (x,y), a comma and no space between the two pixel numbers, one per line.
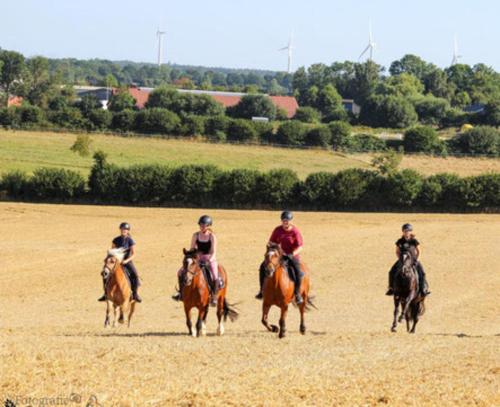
(125,243)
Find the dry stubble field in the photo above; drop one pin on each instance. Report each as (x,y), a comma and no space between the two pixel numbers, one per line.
(53,343)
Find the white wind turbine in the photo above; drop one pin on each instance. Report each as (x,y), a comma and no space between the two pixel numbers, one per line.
(289,48)
(456,56)
(159,35)
(371,44)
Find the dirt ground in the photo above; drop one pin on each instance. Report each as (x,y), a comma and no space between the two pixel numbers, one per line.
(53,345)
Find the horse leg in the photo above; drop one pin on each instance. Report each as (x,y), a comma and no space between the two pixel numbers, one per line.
(187,311)
(407,303)
(200,325)
(396,308)
(302,309)
(415,309)
(284,311)
(108,308)
(403,306)
(131,312)
(121,318)
(265,312)
(220,312)
(114,315)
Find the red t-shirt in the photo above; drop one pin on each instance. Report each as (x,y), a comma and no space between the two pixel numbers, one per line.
(288,239)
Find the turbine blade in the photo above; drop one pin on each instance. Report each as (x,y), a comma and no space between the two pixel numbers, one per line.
(365,51)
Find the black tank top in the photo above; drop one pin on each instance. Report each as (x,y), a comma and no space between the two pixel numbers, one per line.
(203,247)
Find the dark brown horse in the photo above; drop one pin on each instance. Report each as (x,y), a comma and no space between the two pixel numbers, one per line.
(117,288)
(406,293)
(278,290)
(196,294)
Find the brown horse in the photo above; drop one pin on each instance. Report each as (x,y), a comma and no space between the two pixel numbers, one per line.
(117,288)
(407,294)
(278,290)
(196,294)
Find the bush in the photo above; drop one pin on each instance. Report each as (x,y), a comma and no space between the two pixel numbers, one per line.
(340,133)
(307,114)
(479,140)
(216,124)
(192,185)
(241,130)
(423,139)
(318,190)
(184,103)
(492,113)
(482,191)
(100,118)
(431,110)
(192,125)
(253,106)
(157,120)
(403,188)
(351,187)
(9,117)
(318,136)
(68,118)
(291,133)
(275,188)
(388,111)
(54,183)
(442,191)
(103,178)
(387,162)
(30,114)
(237,188)
(82,145)
(364,143)
(123,120)
(264,131)
(15,183)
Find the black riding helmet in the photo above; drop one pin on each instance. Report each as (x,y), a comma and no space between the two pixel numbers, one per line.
(407,227)
(205,220)
(125,225)
(286,215)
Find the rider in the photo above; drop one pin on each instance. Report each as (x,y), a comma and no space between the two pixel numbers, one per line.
(205,242)
(290,240)
(126,242)
(408,243)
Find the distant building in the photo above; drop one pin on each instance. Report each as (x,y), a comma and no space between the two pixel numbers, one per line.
(475,108)
(15,101)
(101,93)
(351,107)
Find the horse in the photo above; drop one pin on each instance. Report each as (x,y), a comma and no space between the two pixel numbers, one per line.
(406,293)
(278,290)
(196,294)
(117,288)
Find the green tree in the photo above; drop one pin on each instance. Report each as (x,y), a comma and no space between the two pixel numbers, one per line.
(423,139)
(12,73)
(253,106)
(39,86)
(121,100)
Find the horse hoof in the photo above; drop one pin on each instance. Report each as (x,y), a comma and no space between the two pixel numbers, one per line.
(303,330)
(194,334)
(281,335)
(274,328)
(393,329)
(220,330)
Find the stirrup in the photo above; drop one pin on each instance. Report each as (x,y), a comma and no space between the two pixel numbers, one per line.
(259,296)
(298,299)
(102,299)
(390,291)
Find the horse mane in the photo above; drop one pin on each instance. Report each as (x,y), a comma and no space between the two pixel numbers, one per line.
(118,253)
(191,253)
(274,246)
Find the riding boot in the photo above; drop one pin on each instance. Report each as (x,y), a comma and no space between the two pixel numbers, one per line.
(262,276)
(134,281)
(178,296)
(392,272)
(295,263)
(215,292)
(422,281)
(103,298)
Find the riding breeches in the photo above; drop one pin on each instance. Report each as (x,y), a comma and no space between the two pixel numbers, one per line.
(133,275)
(214,266)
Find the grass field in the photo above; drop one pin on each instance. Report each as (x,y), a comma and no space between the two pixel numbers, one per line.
(30,150)
(52,343)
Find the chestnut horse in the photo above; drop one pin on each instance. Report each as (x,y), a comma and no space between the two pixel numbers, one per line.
(278,290)
(117,288)
(406,293)
(196,294)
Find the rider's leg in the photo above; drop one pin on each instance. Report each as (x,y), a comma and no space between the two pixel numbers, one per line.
(295,262)
(392,273)
(134,280)
(262,276)
(423,286)
(180,280)
(104,279)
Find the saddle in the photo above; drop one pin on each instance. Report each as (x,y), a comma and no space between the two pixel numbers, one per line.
(205,268)
(290,269)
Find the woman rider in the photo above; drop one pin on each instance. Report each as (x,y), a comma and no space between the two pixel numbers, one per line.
(205,242)
(290,240)
(408,243)
(126,242)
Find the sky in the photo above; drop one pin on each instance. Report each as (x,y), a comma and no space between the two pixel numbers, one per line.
(248,34)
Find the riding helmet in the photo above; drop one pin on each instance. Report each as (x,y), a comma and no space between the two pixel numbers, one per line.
(205,220)
(125,225)
(407,227)
(286,215)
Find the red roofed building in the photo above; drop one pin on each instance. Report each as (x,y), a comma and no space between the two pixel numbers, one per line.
(15,101)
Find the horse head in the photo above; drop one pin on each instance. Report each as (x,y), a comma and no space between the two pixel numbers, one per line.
(190,261)
(272,258)
(408,263)
(112,259)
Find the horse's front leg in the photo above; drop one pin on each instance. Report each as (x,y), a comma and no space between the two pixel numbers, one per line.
(406,307)
(395,320)
(265,313)
(189,324)
(200,323)
(114,315)
(284,311)
(106,320)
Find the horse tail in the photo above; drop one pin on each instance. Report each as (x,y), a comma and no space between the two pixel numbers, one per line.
(230,311)
(310,304)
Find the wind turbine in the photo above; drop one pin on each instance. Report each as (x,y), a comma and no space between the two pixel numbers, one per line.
(289,48)
(159,35)
(456,57)
(371,44)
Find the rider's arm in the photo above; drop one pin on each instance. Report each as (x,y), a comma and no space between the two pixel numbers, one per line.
(398,252)
(193,241)
(300,243)
(297,251)
(418,251)
(131,255)
(213,247)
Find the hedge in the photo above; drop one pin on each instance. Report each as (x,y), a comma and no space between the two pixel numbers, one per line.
(208,186)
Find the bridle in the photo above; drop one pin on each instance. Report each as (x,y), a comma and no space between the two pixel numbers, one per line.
(106,271)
